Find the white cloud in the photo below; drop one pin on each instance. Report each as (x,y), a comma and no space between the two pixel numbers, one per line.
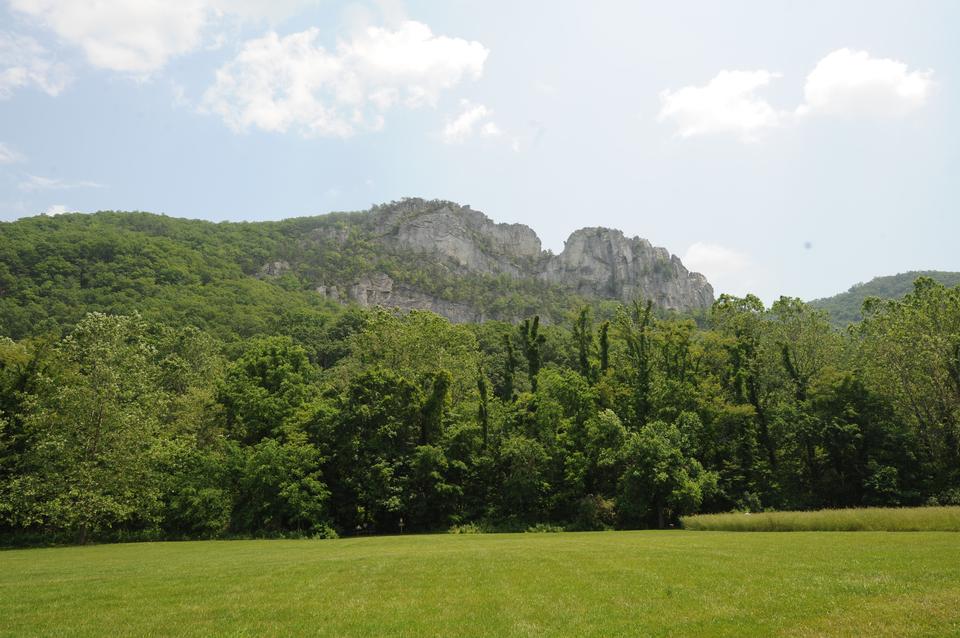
(24,63)
(464,125)
(490,129)
(847,82)
(56,209)
(140,36)
(120,35)
(282,83)
(9,155)
(727,269)
(38,183)
(726,104)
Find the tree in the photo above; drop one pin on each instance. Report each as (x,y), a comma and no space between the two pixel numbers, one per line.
(909,351)
(483,409)
(659,482)
(635,328)
(264,387)
(280,487)
(376,434)
(583,340)
(604,347)
(531,343)
(524,464)
(742,321)
(429,499)
(510,370)
(90,430)
(196,496)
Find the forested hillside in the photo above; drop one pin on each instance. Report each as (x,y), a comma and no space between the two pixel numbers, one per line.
(845,308)
(54,270)
(240,279)
(203,402)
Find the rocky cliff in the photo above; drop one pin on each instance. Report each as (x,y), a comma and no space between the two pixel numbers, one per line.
(454,244)
(602,262)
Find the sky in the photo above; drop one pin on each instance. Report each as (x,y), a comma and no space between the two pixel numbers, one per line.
(779,147)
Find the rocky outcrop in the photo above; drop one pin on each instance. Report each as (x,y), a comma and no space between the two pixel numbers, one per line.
(595,262)
(273,269)
(601,262)
(467,237)
(380,290)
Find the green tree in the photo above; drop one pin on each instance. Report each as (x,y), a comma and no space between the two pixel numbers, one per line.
(280,487)
(90,430)
(531,344)
(583,339)
(909,351)
(265,386)
(635,329)
(659,482)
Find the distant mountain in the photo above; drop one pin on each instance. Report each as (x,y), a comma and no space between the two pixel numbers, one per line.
(243,278)
(844,308)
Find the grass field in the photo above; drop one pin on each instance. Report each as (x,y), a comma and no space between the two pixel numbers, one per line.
(876,519)
(678,583)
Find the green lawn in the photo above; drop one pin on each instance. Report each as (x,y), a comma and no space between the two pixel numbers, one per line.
(680,583)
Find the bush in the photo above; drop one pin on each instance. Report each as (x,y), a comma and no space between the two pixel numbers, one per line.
(469,528)
(544,528)
(594,513)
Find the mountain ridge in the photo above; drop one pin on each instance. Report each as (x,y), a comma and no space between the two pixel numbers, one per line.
(598,263)
(410,254)
(844,308)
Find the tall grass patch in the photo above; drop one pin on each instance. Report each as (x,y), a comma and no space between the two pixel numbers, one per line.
(867,519)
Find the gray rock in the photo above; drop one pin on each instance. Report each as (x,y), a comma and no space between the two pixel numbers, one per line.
(595,262)
(379,289)
(466,237)
(601,262)
(274,269)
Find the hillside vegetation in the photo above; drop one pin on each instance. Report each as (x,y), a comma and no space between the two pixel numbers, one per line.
(845,308)
(240,279)
(53,270)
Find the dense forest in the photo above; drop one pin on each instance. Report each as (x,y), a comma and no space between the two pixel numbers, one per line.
(159,392)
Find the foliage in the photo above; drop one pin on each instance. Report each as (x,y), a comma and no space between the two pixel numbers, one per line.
(376,421)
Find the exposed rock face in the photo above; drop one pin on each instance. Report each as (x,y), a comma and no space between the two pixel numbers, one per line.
(274,269)
(601,262)
(379,290)
(595,262)
(467,237)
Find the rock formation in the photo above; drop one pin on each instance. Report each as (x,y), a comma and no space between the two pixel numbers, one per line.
(599,263)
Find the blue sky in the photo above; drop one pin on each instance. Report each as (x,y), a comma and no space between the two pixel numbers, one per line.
(778,147)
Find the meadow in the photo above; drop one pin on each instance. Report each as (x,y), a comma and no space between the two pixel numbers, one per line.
(650,583)
(860,519)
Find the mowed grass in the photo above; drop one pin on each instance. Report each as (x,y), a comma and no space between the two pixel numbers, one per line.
(656,583)
(879,519)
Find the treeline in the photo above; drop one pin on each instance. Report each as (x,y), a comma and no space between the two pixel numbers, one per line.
(377,422)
